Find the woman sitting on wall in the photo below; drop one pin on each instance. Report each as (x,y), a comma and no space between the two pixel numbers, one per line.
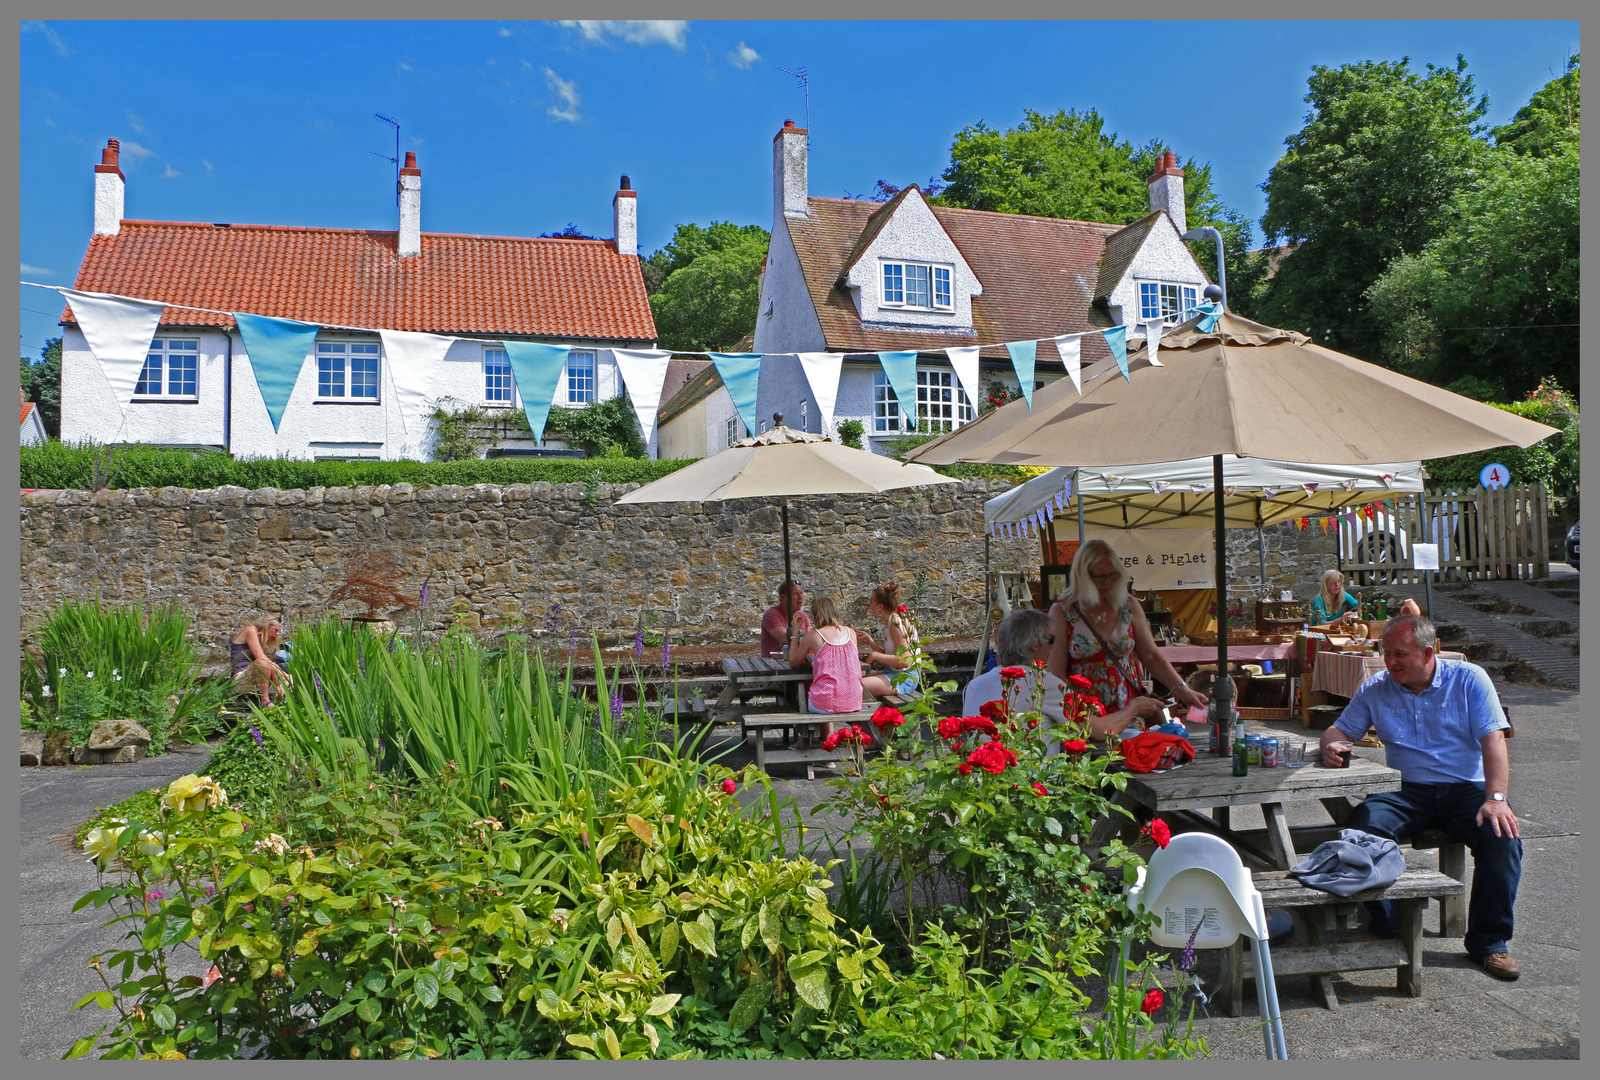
(251,660)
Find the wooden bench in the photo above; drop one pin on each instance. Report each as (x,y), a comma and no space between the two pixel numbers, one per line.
(1315,911)
(791,723)
(1452,863)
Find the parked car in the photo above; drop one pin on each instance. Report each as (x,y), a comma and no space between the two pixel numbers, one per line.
(1572,546)
(1383,540)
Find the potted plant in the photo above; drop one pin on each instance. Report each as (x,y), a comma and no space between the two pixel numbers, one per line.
(370,578)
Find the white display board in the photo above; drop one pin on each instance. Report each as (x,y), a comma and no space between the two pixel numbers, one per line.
(1425,556)
(1160,558)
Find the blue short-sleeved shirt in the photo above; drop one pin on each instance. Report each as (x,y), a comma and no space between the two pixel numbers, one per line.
(1434,737)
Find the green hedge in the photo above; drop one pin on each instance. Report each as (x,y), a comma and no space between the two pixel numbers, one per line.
(1552,462)
(54,465)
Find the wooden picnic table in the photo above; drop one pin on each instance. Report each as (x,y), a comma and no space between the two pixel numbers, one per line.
(743,672)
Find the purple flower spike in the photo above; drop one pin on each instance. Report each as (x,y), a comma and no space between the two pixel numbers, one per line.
(638,645)
(616,704)
(255,733)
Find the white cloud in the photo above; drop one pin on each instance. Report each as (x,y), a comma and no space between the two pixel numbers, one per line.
(505,32)
(135,151)
(39,270)
(567,91)
(743,56)
(403,66)
(50,35)
(171,173)
(134,122)
(210,168)
(634,31)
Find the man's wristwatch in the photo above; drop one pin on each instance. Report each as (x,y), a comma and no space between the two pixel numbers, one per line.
(1498,796)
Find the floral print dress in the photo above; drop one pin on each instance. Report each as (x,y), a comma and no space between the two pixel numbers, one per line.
(1088,658)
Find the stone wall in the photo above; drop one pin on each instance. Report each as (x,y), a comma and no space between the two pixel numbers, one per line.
(704,571)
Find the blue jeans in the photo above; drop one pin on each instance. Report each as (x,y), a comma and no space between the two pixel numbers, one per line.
(1496,860)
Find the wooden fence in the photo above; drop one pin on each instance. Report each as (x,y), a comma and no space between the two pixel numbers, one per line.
(1481,534)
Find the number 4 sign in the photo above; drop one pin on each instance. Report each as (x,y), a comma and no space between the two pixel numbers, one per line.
(1494,476)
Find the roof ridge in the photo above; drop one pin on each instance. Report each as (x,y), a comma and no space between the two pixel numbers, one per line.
(363,232)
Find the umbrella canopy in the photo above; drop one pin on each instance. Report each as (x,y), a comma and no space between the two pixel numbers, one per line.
(1240,388)
(1178,494)
(783,462)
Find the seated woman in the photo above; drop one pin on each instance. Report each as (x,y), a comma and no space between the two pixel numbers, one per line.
(835,658)
(1024,641)
(1101,633)
(1332,603)
(250,658)
(899,646)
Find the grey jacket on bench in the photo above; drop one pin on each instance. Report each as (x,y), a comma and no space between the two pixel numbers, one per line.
(1354,862)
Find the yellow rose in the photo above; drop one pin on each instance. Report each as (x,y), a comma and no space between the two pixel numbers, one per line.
(100,842)
(194,795)
(152,843)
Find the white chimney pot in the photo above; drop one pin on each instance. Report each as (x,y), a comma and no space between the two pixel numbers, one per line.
(108,191)
(625,218)
(789,171)
(410,207)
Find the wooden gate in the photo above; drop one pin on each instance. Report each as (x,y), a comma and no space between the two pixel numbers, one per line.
(1481,534)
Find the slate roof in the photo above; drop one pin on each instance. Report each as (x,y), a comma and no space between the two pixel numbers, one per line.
(1040,278)
(472,285)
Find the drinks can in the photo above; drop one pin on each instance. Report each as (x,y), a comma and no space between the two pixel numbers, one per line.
(1252,745)
(1269,752)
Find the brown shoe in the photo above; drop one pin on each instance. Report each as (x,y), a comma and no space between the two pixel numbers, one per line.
(1501,966)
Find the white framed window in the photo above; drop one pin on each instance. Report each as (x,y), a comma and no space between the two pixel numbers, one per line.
(916,285)
(497,389)
(347,371)
(805,410)
(733,430)
(1169,303)
(941,403)
(170,369)
(580,377)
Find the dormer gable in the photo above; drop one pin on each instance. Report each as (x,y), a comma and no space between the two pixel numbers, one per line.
(904,269)
(1147,271)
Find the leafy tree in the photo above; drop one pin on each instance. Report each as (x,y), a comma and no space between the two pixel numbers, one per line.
(705,284)
(1369,178)
(1067,166)
(41,381)
(1495,298)
(571,232)
(1548,121)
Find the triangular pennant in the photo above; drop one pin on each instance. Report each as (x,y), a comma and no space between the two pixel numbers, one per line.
(1066,490)
(1113,482)
(537,369)
(1152,339)
(1227,492)
(414,363)
(1070,349)
(1348,485)
(965,363)
(901,368)
(644,372)
(1209,323)
(822,372)
(277,350)
(1038,517)
(1200,489)
(1311,489)
(1050,510)
(1158,486)
(741,374)
(1324,523)
(1117,341)
(119,332)
(1023,361)
(1388,479)
(1269,493)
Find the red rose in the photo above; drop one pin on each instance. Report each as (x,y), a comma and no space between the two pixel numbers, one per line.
(832,740)
(963,768)
(1038,789)
(1074,746)
(1033,724)
(994,710)
(992,757)
(1152,1002)
(887,718)
(951,727)
(1079,682)
(1011,674)
(981,724)
(1038,663)
(729,787)
(1161,834)
(901,610)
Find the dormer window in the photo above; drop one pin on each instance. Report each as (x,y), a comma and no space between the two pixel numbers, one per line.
(1169,303)
(916,285)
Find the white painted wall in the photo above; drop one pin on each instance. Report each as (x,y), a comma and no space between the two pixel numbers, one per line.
(913,234)
(33,429)
(410,238)
(625,222)
(308,428)
(687,435)
(1162,257)
(109,191)
(792,324)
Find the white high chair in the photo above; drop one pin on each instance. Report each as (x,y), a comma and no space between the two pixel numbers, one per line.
(1197,880)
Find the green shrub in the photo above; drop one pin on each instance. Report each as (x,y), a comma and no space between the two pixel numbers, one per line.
(55,465)
(248,768)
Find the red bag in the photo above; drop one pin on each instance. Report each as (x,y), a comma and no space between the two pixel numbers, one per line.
(1156,750)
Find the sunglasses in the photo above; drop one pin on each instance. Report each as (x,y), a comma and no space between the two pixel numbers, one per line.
(1114,575)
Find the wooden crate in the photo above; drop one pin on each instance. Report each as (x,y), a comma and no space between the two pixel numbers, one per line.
(1248,713)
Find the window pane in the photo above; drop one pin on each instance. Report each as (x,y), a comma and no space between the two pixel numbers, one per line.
(580,377)
(364,377)
(180,374)
(150,377)
(941,287)
(1149,302)
(364,350)
(885,409)
(330,375)
(917,293)
(189,346)
(893,283)
(325,348)
(496,376)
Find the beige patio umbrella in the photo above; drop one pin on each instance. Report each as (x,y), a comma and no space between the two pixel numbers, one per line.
(782,462)
(1238,388)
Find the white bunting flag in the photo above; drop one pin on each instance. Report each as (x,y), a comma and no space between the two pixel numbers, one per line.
(965,363)
(1348,485)
(415,365)
(644,372)
(1066,490)
(1152,337)
(1113,482)
(1050,510)
(1388,479)
(1227,492)
(119,332)
(1269,493)
(1070,348)
(822,373)
(1158,486)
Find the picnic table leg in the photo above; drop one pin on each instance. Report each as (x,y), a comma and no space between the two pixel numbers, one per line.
(1230,994)
(726,697)
(1339,809)
(1408,977)
(1278,837)
(1308,932)
(1219,814)
(761,749)
(1453,909)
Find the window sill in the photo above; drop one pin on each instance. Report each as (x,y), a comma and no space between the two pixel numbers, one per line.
(344,401)
(165,401)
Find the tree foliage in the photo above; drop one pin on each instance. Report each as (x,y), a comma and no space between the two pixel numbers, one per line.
(1494,299)
(41,382)
(1370,178)
(1068,166)
(704,285)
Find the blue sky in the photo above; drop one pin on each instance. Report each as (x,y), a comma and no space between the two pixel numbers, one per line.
(520,128)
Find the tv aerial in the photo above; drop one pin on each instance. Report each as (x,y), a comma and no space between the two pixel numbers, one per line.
(396,159)
(805,86)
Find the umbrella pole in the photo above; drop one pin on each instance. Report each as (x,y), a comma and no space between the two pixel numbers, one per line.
(1080,516)
(787,577)
(1222,689)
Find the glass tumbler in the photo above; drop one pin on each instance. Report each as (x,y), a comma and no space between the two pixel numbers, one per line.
(1296,755)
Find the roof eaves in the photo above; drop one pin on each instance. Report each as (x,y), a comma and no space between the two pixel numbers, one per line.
(873,227)
(697,389)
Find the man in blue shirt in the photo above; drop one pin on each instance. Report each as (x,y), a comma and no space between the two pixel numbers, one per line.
(1443,729)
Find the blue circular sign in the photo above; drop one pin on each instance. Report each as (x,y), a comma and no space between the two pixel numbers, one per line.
(1494,476)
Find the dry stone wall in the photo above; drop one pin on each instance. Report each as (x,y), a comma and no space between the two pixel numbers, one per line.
(704,571)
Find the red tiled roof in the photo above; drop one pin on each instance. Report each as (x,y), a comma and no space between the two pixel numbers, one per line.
(27,407)
(516,286)
(1039,278)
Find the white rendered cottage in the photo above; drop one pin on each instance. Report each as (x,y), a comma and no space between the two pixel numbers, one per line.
(854,277)
(198,387)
